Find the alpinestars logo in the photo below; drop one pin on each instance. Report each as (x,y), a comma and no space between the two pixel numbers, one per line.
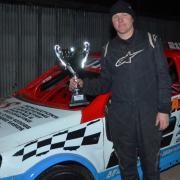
(127,58)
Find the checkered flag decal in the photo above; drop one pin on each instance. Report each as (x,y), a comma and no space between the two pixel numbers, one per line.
(66,140)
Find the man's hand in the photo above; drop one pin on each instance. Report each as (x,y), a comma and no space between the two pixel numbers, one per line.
(74,83)
(162,120)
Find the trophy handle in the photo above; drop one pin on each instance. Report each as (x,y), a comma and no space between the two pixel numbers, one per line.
(86,50)
(59,54)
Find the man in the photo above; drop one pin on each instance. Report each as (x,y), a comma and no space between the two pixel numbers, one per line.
(135,70)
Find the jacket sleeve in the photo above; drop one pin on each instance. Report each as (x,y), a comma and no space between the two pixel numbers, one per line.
(164,81)
(99,85)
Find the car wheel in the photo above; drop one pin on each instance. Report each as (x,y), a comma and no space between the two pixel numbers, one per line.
(66,172)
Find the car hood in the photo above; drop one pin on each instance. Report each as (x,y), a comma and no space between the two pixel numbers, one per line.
(22,122)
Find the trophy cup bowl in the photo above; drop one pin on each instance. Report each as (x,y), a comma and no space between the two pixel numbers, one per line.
(73,60)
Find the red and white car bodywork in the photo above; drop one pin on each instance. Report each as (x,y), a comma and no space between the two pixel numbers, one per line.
(39,131)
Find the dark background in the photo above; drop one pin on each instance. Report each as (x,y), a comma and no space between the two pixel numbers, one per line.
(151,8)
(29,29)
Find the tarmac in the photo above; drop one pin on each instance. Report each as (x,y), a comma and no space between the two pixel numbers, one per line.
(172,173)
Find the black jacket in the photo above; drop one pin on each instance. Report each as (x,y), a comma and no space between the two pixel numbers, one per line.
(135,72)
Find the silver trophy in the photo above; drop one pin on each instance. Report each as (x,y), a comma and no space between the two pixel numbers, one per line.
(74,60)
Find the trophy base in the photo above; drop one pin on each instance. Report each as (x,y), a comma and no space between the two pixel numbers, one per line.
(78,100)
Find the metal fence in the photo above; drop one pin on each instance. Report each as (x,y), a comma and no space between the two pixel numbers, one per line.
(28,34)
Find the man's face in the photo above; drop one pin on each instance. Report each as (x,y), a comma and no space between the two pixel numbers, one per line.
(123,23)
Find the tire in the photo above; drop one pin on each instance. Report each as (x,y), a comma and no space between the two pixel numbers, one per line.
(66,172)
